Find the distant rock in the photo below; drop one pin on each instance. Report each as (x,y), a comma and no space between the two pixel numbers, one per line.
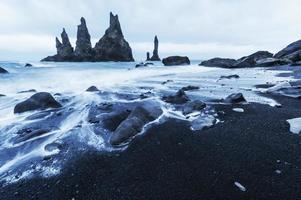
(235,76)
(42,100)
(219,62)
(147,56)
(235,98)
(83,50)
(112,46)
(28,65)
(292,48)
(155,56)
(176,60)
(190,87)
(244,62)
(179,98)
(28,91)
(92,89)
(2,95)
(270,62)
(251,60)
(3,71)
(143,64)
(64,50)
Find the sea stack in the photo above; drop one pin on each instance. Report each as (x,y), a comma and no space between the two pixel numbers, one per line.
(112,46)
(83,50)
(155,56)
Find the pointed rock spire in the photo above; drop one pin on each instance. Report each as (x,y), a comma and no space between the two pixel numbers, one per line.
(155,56)
(112,46)
(147,56)
(83,43)
(64,49)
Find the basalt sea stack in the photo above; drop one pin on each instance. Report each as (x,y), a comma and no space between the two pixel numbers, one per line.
(111,47)
(155,56)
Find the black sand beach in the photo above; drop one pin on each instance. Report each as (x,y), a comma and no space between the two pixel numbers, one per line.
(254,148)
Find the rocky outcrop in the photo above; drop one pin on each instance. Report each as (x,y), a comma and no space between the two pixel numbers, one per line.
(42,100)
(176,60)
(193,106)
(28,65)
(292,48)
(111,47)
(270,62)
(244,62)
(83,50)
(155,56)
(92,89)
(3,71)
(147,56)
(250,61)
(219,62)
(64,49)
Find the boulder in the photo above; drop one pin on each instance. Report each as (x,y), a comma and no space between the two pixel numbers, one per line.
(42,100)
(179,98)
(92,89)
(219,62)
(155,56)
(235,98)
(132,126)
(203,122)
(112,46)
(28,65)
(235,76)
(193,106)
(3,71)
(83,49)
(190,87)
(293,47)
(176,60)
(251,60)
(270,62)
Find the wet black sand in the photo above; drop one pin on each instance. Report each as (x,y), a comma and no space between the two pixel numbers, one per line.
(171,162)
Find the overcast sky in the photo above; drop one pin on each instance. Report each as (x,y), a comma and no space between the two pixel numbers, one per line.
(198,28)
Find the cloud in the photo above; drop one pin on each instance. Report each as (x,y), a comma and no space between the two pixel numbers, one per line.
(203,28)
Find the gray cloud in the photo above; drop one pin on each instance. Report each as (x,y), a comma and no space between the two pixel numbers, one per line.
(223,27)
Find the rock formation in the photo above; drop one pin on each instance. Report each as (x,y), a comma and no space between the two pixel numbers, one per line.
(83,48)
(176,60)
(3,71)
(111,47)
(155,56)
(147,56)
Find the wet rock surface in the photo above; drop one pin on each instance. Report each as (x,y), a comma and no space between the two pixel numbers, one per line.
(42,100)
(219,62)
(3,71)
(235,98)
(179,98)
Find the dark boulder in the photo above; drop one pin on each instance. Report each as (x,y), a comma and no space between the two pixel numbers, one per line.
(3,71)
(143,64)
(190,87)
(27,135)
(92,89)
(132,126)
(176,60)
(293,47)
(235,76)
(155,56)
(42,100)
(235,98)
(193,106)
(83,48)
(251,60)
(28,65)
(112,46)
(219,62)
(270,62)
(179,98)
